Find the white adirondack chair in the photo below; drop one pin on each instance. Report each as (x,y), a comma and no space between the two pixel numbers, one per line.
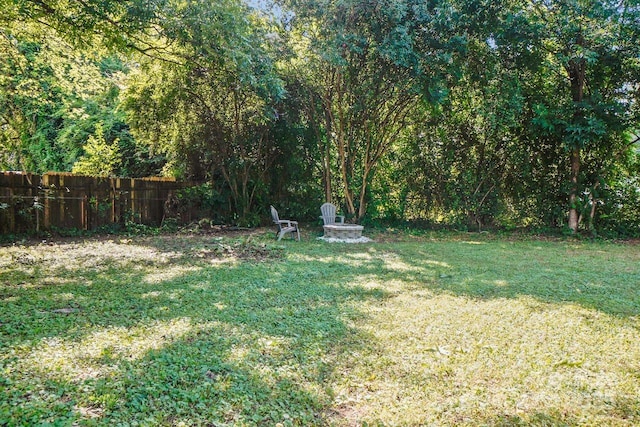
(329,214)
(285,225)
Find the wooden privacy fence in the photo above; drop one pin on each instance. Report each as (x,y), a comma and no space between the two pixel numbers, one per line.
(30,202)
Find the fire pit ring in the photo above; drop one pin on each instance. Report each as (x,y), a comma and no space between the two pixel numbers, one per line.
(343,231)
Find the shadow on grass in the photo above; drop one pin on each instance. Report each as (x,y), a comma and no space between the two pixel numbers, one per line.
(191,341)
(535,420)
(625,410)
(599,277)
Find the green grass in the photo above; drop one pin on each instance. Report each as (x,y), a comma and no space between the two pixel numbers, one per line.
(443,329)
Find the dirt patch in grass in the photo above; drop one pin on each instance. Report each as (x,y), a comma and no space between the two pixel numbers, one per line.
(245,251)
(241,244)
(212,243)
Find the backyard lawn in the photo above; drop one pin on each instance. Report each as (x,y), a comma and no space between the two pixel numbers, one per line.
(238,329)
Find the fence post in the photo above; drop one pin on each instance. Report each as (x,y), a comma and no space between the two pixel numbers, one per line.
(46,211)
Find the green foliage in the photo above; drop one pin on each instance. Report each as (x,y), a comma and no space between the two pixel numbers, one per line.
(471,113)
(585,101)
(496,153)
(52,98)
(618,213)
(364,69)
(117,24)
(29,99)
(203,199)
(212,113)
(100,158)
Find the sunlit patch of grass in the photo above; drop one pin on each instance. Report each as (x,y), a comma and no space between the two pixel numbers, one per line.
(242,330)
(500,346)
(472,242)
(451,360)
(395,263)
(99,353)
(168,273)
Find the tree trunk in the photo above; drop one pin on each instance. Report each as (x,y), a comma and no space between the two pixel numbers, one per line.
(346,181)
(362,207)
(577,71)
(573,192)
(326,161)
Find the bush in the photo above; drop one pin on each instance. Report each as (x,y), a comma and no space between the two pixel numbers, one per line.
(200,201)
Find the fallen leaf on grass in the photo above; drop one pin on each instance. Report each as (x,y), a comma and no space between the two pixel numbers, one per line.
(65,310)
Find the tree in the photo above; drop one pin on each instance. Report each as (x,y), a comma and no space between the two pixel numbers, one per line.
(52,96)
(100,158)
(589,54)
(457,164)
(369,63)
(212,110)
(30,101)
(117,24)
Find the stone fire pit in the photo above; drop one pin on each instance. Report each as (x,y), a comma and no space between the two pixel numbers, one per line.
(343,231)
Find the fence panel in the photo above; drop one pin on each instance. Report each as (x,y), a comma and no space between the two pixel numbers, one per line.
(31,202)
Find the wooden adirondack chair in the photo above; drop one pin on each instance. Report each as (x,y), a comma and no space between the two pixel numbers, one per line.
(329,214)
(285,225)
